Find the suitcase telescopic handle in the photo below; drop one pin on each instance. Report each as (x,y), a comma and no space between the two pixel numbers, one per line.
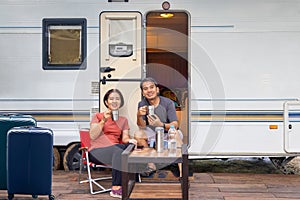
(11,114)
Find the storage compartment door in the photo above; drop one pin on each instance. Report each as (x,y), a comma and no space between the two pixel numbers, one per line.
(292,127)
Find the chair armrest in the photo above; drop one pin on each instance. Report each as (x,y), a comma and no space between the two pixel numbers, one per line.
(83,149)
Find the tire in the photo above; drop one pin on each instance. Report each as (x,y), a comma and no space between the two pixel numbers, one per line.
(72,157)
(56,159)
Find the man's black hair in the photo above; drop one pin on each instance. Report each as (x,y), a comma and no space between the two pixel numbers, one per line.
(148,79)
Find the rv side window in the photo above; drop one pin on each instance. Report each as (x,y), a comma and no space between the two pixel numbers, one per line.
(64,44)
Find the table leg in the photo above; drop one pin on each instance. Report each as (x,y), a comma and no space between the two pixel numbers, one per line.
(127,185)
(185,174)
(125,180)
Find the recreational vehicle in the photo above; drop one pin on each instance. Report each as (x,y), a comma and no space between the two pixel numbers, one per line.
(231,68)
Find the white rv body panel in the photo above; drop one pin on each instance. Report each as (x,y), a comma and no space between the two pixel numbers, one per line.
(244,67)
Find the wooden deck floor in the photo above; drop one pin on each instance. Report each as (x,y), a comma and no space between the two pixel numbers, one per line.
(212,186)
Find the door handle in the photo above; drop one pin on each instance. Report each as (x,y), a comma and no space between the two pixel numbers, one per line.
(106,69)
(103,81)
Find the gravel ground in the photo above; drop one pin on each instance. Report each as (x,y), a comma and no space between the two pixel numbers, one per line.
(236,165)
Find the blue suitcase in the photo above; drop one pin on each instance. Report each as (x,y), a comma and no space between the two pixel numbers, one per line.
(29,161)
(8,121)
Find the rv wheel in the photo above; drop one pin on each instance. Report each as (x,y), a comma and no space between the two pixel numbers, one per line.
(56,159)
(72,157)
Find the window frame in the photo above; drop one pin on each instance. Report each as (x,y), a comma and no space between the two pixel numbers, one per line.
(47,22)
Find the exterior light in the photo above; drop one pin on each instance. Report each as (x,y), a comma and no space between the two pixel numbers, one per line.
(166,5)
(166,15)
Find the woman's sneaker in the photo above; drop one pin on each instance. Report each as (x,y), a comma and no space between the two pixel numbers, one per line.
(116,193)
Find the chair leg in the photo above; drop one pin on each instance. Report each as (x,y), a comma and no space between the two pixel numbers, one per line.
(139,178)
(103,189)
(80,170)
(93,182)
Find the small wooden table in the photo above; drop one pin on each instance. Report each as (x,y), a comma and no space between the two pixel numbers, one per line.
(130,159)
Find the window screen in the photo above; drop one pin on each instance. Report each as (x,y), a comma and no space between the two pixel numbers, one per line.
(64,44)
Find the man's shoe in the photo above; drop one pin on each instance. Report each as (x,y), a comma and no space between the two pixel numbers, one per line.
(148,172)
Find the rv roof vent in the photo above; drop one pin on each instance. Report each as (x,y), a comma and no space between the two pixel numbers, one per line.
(117,0)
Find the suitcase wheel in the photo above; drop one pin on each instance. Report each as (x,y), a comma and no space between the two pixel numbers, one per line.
(51,197)
(10,196)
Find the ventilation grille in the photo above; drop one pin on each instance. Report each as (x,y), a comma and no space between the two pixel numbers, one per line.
(94,88)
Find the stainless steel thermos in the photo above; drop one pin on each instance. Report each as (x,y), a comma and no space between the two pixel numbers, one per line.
(115,115)
(159,146)
(151,110)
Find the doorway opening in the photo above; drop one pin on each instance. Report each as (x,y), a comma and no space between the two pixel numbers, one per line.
(167,59)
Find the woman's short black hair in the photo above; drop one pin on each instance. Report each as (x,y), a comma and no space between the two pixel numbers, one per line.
(105,98)
(148,79)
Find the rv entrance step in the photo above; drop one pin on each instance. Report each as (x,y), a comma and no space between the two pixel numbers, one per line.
(156,191)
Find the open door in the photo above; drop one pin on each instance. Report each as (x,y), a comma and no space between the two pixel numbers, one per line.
(292,127)
(167,59)
(121,59)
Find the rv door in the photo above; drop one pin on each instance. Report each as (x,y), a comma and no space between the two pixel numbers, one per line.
(121,59)
(292,126)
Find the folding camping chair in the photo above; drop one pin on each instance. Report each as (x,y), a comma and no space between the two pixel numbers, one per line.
(85,162)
